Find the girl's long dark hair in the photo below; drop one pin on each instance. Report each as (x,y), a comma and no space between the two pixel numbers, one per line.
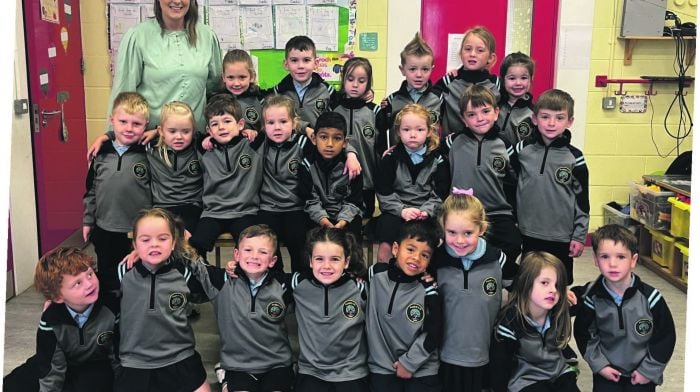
(342,238)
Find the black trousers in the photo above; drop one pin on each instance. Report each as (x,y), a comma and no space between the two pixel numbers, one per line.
(85,377)
(189,213)
(209,229)
(462,379)
(558,249)
(387,228)
(110,247)
(504,234)
(565,383)
(306,383)
(368,199)
(291,228)
(183,376)
(391,383)
(601,384)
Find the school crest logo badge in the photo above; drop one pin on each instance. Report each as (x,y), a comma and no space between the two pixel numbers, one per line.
(524,130)
(563,175)
(415,313)
(293,166)
(643,327)
(251,115)
(350,309)
(194,168)
(140,170)
(275,309)
(245,161)
(490,286)
(433,117)
(320,105)
(177,301)
(368,131)
(499,164)
(105,338)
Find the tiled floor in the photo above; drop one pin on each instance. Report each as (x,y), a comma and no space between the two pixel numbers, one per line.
(22,315)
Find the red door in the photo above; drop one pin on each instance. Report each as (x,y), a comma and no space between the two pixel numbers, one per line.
(442,17)
(56,95)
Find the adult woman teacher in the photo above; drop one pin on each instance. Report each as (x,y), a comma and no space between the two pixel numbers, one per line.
(171,57)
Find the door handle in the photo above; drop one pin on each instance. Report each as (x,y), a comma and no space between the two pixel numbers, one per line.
(48,113)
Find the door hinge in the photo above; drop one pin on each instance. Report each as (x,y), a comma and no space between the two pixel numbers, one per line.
(82,66)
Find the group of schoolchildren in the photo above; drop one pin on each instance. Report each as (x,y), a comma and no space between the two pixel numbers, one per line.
(303,164)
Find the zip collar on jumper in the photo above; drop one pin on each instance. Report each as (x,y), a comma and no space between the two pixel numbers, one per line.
(58,313)
(452,261)
(288,83)
(232,143)
(352,103)
(402,155)
(327,165)
(285,144)
(492,134)
(109,148)
(252,91)
(522,102)
(404,90)
(397,275)
(562,141)
(475,76)
(341,281)
(598,289)
(166,267)
(244,277)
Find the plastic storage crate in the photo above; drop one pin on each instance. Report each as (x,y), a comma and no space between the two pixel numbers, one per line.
(661,248)
(612,214)
(682,254)
(680,218)
(650,207)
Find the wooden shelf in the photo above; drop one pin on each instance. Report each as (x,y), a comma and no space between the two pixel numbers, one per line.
(665,273)
(631,41)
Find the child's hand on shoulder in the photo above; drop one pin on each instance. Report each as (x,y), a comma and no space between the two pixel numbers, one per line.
(401,371)
(130,259)
(352,166)
(207,144)
(575,248)
(571,297)
(46,305)
(249,134)
(231,269)
(610,373)
(427,278)
(388,150)
(148,136)
(384,103)
(453,72)
(369,96)
(638,379)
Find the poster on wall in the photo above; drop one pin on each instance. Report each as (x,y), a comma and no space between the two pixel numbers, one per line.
(262,27)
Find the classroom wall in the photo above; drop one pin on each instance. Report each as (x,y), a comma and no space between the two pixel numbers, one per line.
(618,147)
(371,17)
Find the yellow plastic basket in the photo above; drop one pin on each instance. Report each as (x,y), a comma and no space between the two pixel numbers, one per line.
(680,218)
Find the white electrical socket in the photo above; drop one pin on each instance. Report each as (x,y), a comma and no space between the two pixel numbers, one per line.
(609,103)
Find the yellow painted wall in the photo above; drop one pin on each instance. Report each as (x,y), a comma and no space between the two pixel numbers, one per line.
(619,147)
(371,17)
(98,79)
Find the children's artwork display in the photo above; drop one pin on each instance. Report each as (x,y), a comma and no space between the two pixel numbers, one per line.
(261,27)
